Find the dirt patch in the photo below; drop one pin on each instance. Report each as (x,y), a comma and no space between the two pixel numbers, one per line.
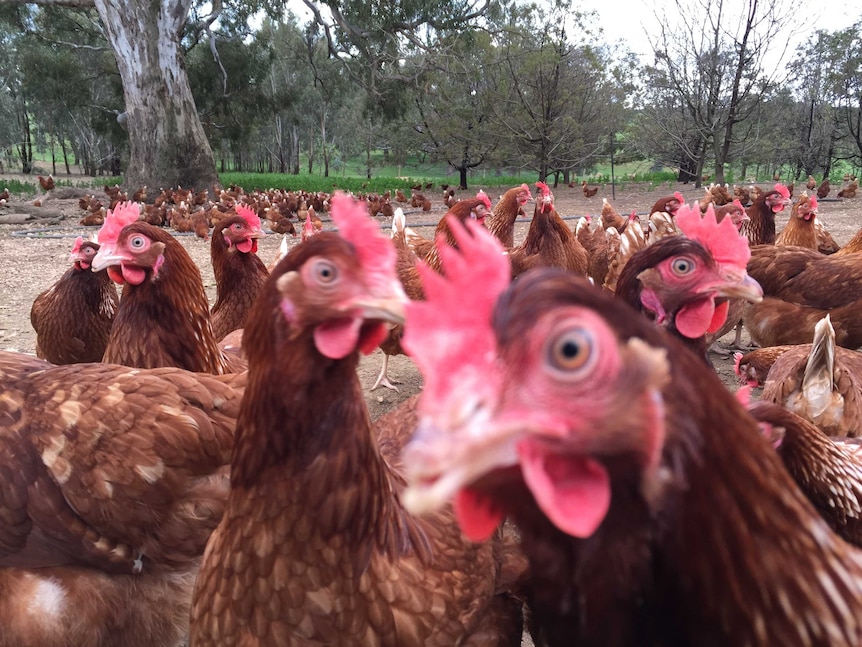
(35,246)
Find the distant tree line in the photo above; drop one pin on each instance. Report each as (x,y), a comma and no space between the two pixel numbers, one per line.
(510,86)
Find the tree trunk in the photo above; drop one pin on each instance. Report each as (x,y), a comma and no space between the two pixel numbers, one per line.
(294,138)
(167,143)
(462,178)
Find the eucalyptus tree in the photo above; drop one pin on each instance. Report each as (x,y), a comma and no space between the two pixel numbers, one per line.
(167,142)
(720,60)
(454,114)
(846,83)
(558,100)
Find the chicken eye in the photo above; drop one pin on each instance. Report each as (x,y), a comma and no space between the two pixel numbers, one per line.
(237,226)
(325,272)
(137,242)
(682,266)
(89,251)
(572,350)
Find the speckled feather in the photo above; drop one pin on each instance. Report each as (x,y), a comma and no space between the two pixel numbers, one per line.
(784,382)
(827,470)
(113,478)
(808,284)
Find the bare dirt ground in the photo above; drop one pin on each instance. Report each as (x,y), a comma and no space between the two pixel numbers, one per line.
(35,244)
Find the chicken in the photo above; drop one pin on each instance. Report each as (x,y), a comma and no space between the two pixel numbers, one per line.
(820,383)
(589,191)
(853,246)
(823,189)
(611,217)
(850,190)
(163,318)
(310,228)
(501,221)
(800,227)
(682,283)
(637,481)
(549,241)
(742,194)
(47,183)
(826,244)
(73,317)
(314,547)
(760,227)
(811,184)
(669,204)
(827,470)
(239,272)
(800,286)
(751,368)
(733,210)
(112,480)
(476,208)
(406,259)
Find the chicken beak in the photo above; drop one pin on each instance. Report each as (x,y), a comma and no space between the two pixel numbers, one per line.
(106,257)
(257,233)
(382,309)
(386,304)
(440,461)
(747,289)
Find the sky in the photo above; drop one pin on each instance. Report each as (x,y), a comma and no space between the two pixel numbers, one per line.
(623,20)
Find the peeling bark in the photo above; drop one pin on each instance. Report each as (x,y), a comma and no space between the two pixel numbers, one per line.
(168,146)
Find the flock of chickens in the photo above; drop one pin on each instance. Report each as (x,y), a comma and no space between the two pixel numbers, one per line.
(574,468)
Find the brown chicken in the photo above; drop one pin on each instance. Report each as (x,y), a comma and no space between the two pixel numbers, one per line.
(112,480)
(239,272)
(589,191)
(823,189)
(637,481)
(611,217)
(811,184)
(751,368)
(820,383)
(827,470)
(315,547)
(405,264)
(163,318)
(669,204)
(501,221)
(760,227)
(549,241)
(73,317)
(799,229)
(800,287)
(850,190)
(47,183)
(683,283)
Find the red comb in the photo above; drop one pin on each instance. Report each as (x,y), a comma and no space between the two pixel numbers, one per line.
(783,191)
(484,198)
(812,200)
(679,196)
(124,214)
(477,272)
(525,187)
(77,246)
(721,238)
(248,214)
(736,203)
(543,188)
(375,251)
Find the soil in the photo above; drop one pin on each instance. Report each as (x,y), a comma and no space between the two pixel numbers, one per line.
(35,242)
